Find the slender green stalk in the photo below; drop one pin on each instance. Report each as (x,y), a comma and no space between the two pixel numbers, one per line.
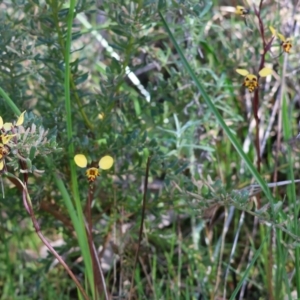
(287,130)
(219,118)
(56,6)
(81,233)
(144,203)
(10,102)
(256,255)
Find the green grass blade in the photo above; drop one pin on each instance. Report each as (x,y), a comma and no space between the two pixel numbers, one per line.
(256,255)
(80,229)
(287,133)
(9,102)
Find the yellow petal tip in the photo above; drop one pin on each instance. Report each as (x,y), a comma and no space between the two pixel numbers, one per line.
(80,160)
(21,119)
(106,162)
(242,72)
(265,72)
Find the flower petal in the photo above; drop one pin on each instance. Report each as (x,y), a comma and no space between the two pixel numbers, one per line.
(80,160)
(6,138)
(242,72)
(1,165)
(7,126)
(1,122)
(106,162)
(281,37)
(21,119)
(265,72)
(273,30)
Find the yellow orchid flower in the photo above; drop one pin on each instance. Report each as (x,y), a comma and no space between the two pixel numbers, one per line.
(286,43)
(241,10)
(104,163)
(6,134)
(8,125)
(251,80)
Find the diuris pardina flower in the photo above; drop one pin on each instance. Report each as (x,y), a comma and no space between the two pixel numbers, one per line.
(5,138)
(104,163)
(251,80)
(286,43)
(241,11)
